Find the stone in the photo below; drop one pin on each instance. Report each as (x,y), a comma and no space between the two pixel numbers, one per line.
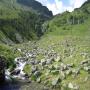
(46,88)
(33,69)
(86,79)
(87,68)
(57,59)
(15,72)
(76,71)
(32,62)
(62,75)
(63,67)
(55,72)
(73,86)
(47,72)
(55,81)
(49,61)
(70,65)
(51,67)
(21,59)
(38,80)
(37,73)
(43,62)
(84,62)
(69,72)
(57,67)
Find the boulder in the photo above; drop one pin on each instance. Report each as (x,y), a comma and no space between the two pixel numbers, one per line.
(87,68)
(73,86)
(57,59)
(84,62)
(33,69)
(55,81)
(76,71)
(32,62)
(49,61)
(70,65)
(69,72)
(62,75)
(57,67)
(43,62)
(63,67)
(37,73)
(15,72)
(38,80)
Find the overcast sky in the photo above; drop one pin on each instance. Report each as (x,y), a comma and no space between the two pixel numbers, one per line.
(59,6)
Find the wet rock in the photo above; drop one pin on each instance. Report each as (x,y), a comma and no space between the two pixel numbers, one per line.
(86,79)
(15,72)
(21,59)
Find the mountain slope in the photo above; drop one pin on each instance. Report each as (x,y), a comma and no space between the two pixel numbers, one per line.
(19,22)
(68,34)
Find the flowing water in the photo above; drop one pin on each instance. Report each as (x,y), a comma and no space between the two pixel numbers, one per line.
(21,83)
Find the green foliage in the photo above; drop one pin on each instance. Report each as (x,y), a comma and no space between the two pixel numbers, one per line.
(9,54)
(21,22)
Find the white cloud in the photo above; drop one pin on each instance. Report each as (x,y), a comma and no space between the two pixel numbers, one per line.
(58,6)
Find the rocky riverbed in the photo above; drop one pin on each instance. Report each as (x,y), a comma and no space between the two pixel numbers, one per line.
(49,68)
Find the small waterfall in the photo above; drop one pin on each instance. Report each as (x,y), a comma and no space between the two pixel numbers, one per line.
(18,71)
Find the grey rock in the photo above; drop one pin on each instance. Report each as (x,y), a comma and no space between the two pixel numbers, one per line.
(76,71)
(87,68)
(37,73)
(33,69)
(46,88)
(63,67)
(84,62)
(73,86)
(38,80)
(62,75)
(55,81)
(70,65)
(69,72)
(43,62)
(49,61)
(15,72)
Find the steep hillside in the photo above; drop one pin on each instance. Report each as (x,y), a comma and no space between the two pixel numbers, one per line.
(20,22)
(67,40)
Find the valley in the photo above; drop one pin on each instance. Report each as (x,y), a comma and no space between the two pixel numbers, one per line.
(58,60)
